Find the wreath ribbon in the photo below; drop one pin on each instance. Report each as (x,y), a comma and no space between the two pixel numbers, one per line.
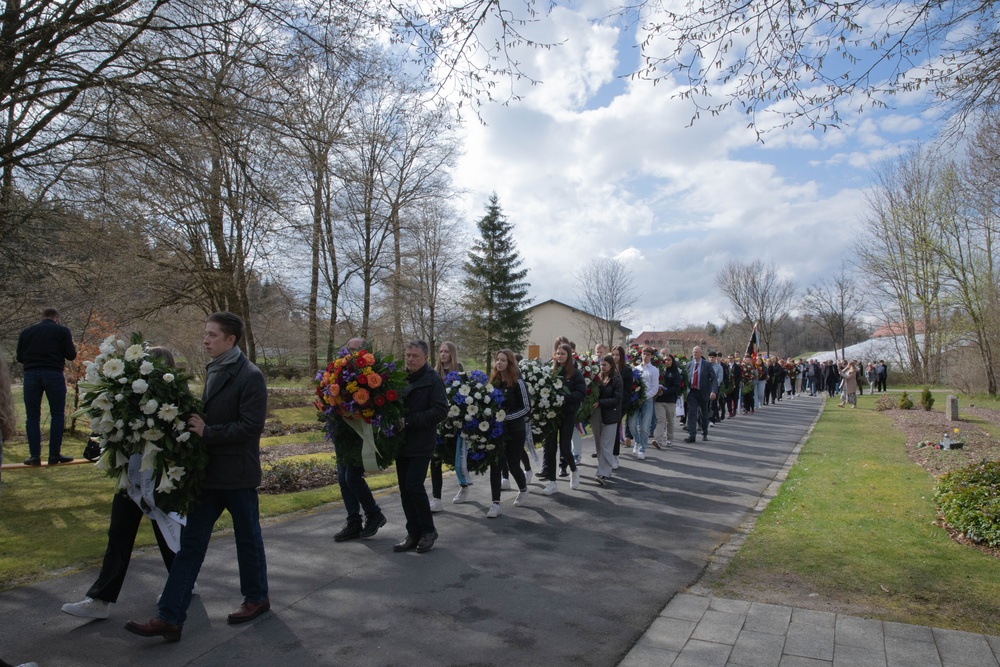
(140,490)
(369,450)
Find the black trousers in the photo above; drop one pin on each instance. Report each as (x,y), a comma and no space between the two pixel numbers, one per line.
(125,519)
(564,436)
(697,412)
(510,463)
(411,471)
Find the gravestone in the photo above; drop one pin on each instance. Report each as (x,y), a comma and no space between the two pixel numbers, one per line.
(951,409)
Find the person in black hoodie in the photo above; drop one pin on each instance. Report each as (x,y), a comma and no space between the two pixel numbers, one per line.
(606,416)
(576,389)
(666,399)
(516,407)
(425,406)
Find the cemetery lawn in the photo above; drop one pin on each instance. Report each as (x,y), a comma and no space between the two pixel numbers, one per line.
(854,529)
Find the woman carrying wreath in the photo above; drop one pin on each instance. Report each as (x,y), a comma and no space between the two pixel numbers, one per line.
(516,405)
(122,529)
(447,362)
(607,417)
(562,436)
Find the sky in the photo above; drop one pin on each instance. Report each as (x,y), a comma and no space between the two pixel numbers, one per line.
(590,164)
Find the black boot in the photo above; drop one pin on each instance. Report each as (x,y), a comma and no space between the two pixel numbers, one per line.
(372,523)
(350,531)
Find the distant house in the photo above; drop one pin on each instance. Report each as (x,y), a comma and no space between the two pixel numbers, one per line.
(896,329)
(551,319)
(677,342)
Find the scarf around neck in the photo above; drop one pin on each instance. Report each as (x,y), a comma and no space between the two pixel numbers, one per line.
(216,366)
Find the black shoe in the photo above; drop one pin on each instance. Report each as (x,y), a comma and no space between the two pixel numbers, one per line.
(408,544)
(563,472)
(690,438)
(704,437)
(33,461)
(427,542)
(372,523)
(544,474)
(59,458)
(594,455)
(350,531)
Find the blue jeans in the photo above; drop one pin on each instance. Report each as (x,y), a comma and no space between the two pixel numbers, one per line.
(243,507)
(645,424)
(355,491)
(51,384)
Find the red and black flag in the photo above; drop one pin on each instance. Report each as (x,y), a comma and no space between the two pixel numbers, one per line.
(752,345)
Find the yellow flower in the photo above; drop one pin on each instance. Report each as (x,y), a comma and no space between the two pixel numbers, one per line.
(956,430)
(351,387)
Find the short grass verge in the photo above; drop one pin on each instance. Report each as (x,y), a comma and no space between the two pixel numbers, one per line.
(854,524)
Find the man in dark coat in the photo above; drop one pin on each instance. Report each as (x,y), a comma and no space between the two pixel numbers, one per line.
(235,406)
(43,350)
(703,386)
(425,406)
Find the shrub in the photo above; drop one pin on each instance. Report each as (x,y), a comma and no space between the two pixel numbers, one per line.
(969,500)
(885,403)
(288,476)
(927,399)
(904,402)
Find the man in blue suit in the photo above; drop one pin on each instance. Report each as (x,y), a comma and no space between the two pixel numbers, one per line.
(703,387)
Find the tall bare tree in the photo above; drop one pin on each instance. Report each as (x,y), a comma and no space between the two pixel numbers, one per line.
(836,305)
(758,295)
(606,289)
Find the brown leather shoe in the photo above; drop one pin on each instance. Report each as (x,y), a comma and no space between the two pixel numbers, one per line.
(248,611)
(156,627)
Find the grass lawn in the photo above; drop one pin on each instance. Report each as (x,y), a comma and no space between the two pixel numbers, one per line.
(854,523)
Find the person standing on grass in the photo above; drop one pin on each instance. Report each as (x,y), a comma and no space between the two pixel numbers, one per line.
(607,416)
(43,349)
(850,381)
(126,516)
(425,405)
(354,488)
(516,406)
(235,407)
(447,362)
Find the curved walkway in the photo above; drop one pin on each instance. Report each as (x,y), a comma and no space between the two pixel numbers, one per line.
(581,577)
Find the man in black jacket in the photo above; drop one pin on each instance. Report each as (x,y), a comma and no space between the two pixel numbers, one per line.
(235,406)
(43,350)
(425,406)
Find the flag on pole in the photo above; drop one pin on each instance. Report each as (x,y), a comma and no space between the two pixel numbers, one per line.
(752,345)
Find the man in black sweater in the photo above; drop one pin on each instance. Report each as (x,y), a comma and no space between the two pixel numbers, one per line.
(43,350)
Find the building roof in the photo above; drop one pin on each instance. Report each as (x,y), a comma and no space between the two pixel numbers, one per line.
(896,329)
(664,338)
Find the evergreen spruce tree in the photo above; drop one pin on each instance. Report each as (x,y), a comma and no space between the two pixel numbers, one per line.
(495,289)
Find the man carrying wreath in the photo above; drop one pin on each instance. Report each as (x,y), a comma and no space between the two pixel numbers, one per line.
(235,406)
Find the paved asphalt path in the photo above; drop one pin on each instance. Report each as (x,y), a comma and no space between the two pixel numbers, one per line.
(575,578)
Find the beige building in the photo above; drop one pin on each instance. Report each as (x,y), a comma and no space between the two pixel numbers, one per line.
(551,319)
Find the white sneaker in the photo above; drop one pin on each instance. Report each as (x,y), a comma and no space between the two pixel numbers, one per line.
(528,475)
(494,511)
(88,608)
(550,488)
(522,497)
(437,505)
(614,466)
(461,496)
(505,484)
(641,456)
(574,480)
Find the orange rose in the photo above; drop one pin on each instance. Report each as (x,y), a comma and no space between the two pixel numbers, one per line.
(335,390)
(361,396)
(374,380)
(366,359)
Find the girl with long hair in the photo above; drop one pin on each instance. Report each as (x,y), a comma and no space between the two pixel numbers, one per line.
(447,362)
(620,358)
(516,406)
(563,363)
(607,416)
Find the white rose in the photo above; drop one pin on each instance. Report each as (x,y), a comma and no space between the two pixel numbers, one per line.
(168,377)
(184,437)
(108,346)
(501,415)
(453,412)
(472,410)
(145,368)
(140,386)
(150,423)
(122,380)
(134,353)
(149,407)
(484,426)
(119,397)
